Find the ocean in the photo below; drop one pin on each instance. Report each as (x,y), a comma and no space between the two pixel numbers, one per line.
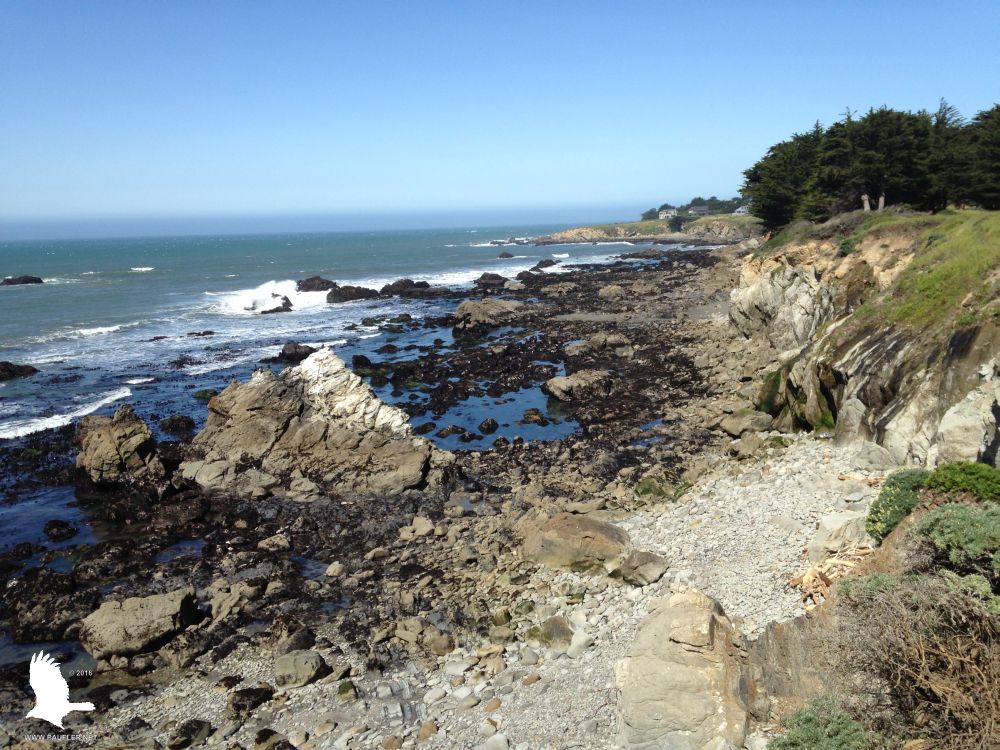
(113,321)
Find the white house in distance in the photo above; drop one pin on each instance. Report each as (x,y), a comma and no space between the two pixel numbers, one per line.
(742,210)
(667,213)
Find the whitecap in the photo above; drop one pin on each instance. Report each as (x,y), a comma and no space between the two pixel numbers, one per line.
(20,427)
(142,269)
(88,273)
(98,331)
(139,381)
(560,255)
(58,280)
(265,296)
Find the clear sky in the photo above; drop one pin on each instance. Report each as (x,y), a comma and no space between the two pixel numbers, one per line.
(160,110)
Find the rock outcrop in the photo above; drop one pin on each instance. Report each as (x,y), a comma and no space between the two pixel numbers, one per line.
(314,427)
(118,449)
(575,541)
(349,293)
(315,284)
(20,280)
(138,624)
(684,682)
(9,371)
(486,313)
(582,384)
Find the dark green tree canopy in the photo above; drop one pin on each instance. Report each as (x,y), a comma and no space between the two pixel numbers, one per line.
(927,161)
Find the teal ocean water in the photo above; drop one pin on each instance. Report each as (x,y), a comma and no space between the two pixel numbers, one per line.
(114,314)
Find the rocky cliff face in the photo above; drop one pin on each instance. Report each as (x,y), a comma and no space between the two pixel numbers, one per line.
(312,429)
(925,393)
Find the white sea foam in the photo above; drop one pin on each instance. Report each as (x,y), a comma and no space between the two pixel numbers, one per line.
(139,381)
(88,273)
(98,331)
(560,255)
(20,427)
(266,296)
(58,280)
(142,269)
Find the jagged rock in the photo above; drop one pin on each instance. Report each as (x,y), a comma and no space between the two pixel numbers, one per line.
(486,313)
(314,284)
(243,702)
(684,682)
(290,354)
(178,424)
(9,371)
(568,540)
(20,280)
(349,293)
(318,418)
(642,568)
(118,449)
(138,624)
(299,668)
(410,288)
(284,305)
(837,532)
(581,384)
(968,430)
(745,420)
(787,303)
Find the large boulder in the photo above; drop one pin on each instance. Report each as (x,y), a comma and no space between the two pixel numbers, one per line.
(315,284)
(683,683)
(582,384)
(574,541)
(745,420)
(838,532)
(486,313)
(118,449)
(20,280)
(138,624)
(299,668)
(349,293)
(9,371)
(968,430)
(317,421)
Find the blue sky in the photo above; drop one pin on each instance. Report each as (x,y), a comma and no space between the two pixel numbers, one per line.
(131,110)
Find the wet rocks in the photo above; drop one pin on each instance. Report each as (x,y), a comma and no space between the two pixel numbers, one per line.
(579,385)
(318,419)
(597,343)
(314,284)
(179,425)
(59,531)
(20,280)
(486,313)
(411,288)
(491,282)
(118,449)
(284,305)
(291,354)
(349,293)
(488,426)
(683,681)
(575,541)
(505,255)
(9,371)
(138,623)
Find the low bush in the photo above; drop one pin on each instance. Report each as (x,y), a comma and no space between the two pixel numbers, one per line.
(821,726)
(967,536)
(898,497)
(965,476)
(927,650)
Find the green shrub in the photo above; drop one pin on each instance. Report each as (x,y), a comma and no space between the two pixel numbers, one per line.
(821,726)
(968,535)
(898,497)
(981,480)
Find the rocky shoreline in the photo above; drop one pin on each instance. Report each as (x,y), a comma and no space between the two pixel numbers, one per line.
(309,571)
